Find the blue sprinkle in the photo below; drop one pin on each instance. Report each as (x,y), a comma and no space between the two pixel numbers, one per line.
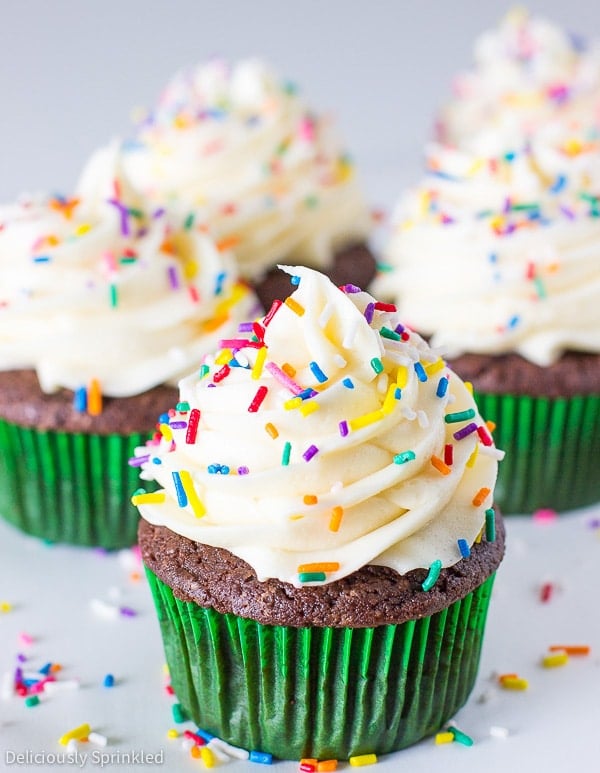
(513,321)
(464,548)
(109,680)
(204,734)
(156,460)
(317,372)
(295,280)
(182,499)
(163,418)
(45,669)
(442,387)
(42,259)
(219,285)
(348,383)
(263,757)
(397,393)
(80,400)
(224,469)
(306,393)
(420,371)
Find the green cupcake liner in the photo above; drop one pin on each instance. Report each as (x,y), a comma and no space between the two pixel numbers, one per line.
(69,487)
(320,692)
(552,448)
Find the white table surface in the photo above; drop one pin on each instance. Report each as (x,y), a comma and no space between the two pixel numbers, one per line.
(54,592)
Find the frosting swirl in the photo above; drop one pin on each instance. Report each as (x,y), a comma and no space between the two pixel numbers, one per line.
(494,255)
(241,147)
(330,439)
(527,72)
(112,292)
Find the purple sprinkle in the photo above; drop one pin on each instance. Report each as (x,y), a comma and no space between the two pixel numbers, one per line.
(137,461)
(351,289)
(309,453)
(464,431)
(369,311)
(567,212)
(158,213)
(124,212)
(127,612)
(21,658)
(245,327)
(178,424)
(173,278)
(243,470)
(343,428)
(399,328)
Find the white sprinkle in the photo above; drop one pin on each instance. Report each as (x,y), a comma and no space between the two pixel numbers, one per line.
(423,419)
(218,750)
(408,413)
(339,360)
(242,359)
(187,743)
(7,688)
(499,732)
(97,739)
(129,559)
(382,383)
(348,341)
(51,688)
(233,751)
(102,609)
(72,747)
(336,487)
(325,315)
(492,451)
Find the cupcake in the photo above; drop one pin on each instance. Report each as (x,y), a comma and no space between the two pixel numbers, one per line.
(269,176)
(495,260)
(321,545)
(527,72)
(103,307)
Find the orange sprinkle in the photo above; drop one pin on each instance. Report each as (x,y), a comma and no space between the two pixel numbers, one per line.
(571,649)
(168,247)
(294,306)
(195,752)
(272,430)
(215,322)
(440,465)
(321,566)
(480,496)
(288,369)
(491,425)
(310,499)
(94,398)
(326,765)
(336,518)
(228,242)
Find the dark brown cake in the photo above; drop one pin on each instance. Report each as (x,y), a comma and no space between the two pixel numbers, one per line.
(575,373)
(374,595)
(22,402)
(353,265)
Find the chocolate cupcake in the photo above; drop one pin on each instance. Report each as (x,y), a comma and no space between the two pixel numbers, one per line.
(267,175)
(322,545)
(495,260)
(103,307)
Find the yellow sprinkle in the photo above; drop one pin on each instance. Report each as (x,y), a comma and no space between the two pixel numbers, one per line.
(344,170)
(469,387)
(362,759)
(434,367)
(151,498)
(336,518)
(166,432)
(190,269)
(272,430)
(294,306)
(223,357)
(5,606)
(208,758)
(446,737)
(288,369)
(193,499)
(238,291)
(77,732)
(172,733)
(475,167)
(440,465)
(479,537)
(257,368)
(310,499)
(514,683)
(480,496)
(390,400)
(365,420)
(292,403)
(94,398)
(82,229)
(402,377)
(555,659)
(308,407)
(573,147)
(319,566)
(472,459)
(297,517)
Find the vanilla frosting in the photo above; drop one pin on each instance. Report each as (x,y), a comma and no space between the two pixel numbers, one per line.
(241,147)
(494,255)
(330,439)
(111,292)
(527,72)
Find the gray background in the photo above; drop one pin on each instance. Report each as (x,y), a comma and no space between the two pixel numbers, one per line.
(72,70)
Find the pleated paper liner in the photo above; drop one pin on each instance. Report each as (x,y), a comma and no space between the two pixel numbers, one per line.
(320,692)
(69,487)
(552,449)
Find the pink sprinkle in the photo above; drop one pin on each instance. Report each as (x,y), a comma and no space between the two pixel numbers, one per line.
(545,515)
(306,130)
(26,638)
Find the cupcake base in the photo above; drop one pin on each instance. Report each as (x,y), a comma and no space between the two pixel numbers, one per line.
(321,692)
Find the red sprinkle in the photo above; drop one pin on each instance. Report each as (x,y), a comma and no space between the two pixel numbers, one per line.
(221,373)
(484,436)
(546,591)
(448,454)
(260,395)
(272,311)
(385,306)
(192,428)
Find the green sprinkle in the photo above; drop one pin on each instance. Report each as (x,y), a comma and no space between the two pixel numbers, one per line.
(524,207)
(113,296)
(405,456)
(451,418)
(204,370)
(385,332)
(127,259)
(377,365)
(432,577)
(184,406)
(179,714)
(460,737)
(539,287)
(311,202)
(135,213)
(285,457)
(384,268)
(490,525)
(312,577)
(189,221)
(31,700)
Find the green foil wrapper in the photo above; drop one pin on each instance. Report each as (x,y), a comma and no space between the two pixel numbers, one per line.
(69,487)
(552,449)
(320,692)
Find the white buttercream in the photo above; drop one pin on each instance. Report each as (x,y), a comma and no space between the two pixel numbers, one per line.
(133,302)
(241,147)
(402,515)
